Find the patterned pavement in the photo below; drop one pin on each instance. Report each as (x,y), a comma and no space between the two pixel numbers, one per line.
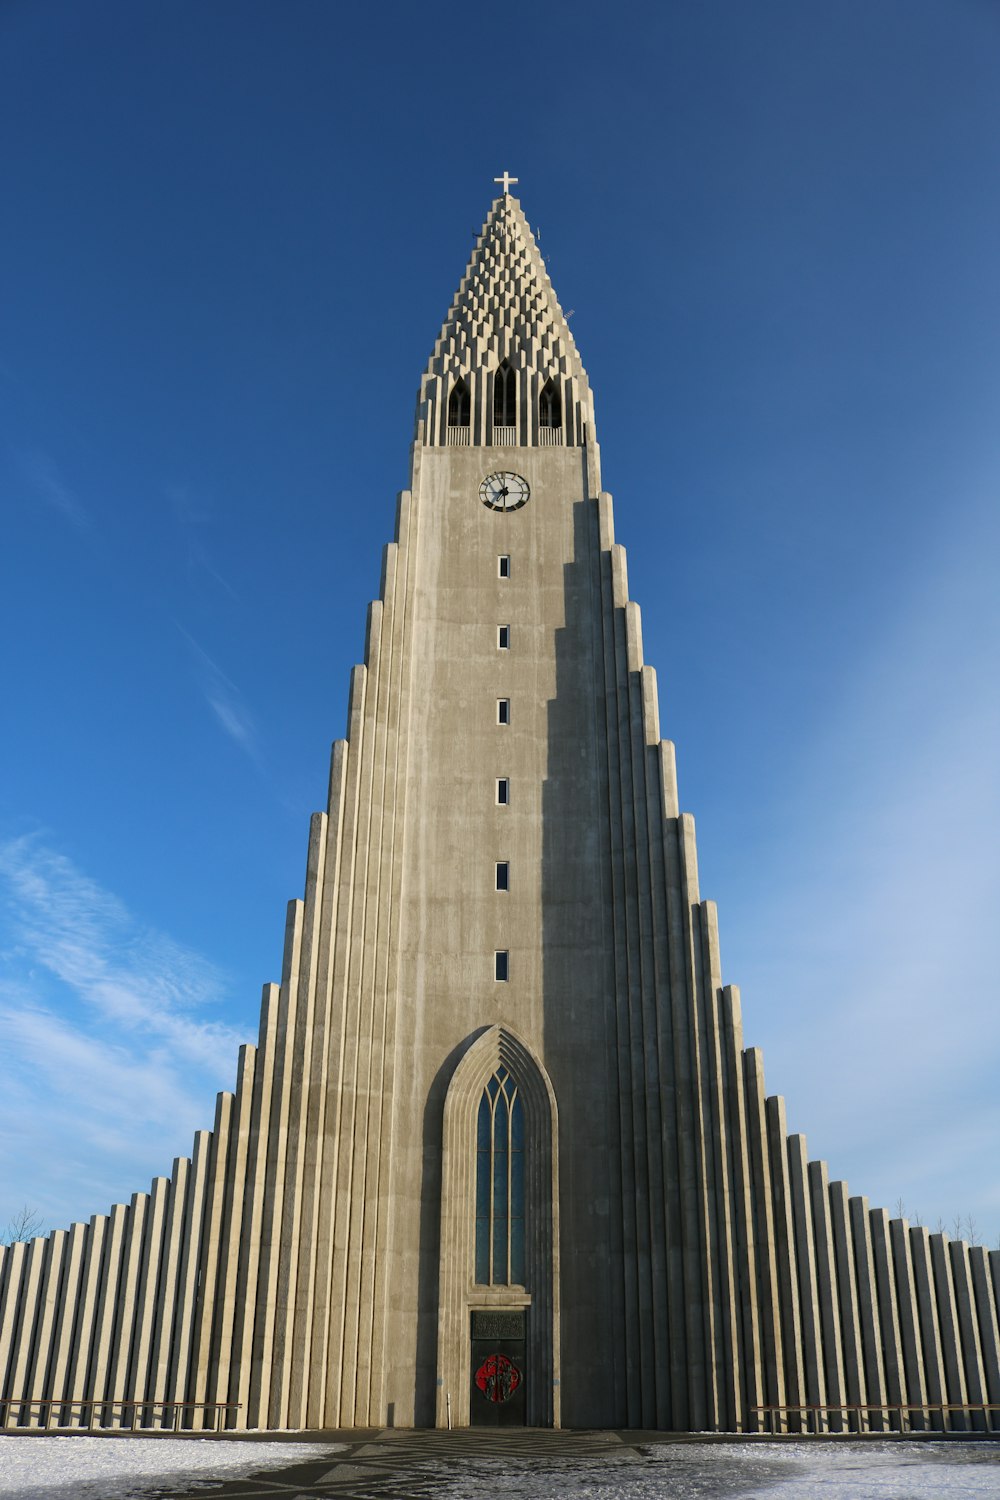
(397,1465)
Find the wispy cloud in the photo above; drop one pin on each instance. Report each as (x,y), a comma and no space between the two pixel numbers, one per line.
(111,1052)
(225,700)
(48,487)
(194,515)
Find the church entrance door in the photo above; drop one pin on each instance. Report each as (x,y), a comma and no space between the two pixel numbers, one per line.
(498,1396)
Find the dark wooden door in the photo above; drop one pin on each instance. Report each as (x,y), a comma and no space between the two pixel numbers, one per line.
(499,1373)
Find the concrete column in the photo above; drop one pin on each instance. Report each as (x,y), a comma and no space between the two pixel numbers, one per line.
(249,1264)
(809,1295)
(784,1246)
(179,1375)
(217,1387)
(935,1383)
(885,1281)
(208,1269)
(125,1311)
(951,1336)
(139,1381)
(871,1326)
(765,1237)
(10,1299)
(968,1323)
(167,1292)
(909,1315)
(855,1389)
(83,1336)
(989,1334)
(829,1300)
(35,1382)
(67,1310)
(24,1330)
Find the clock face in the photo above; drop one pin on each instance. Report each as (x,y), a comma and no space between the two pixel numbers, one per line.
(504,491)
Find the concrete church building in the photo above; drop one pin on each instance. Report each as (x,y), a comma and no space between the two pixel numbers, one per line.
(500,1154)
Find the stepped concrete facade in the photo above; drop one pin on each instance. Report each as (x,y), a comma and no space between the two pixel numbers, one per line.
(500,1153)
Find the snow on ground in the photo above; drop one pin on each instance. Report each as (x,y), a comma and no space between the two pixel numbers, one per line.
(751,1471)
(83,1468)
(100,1468)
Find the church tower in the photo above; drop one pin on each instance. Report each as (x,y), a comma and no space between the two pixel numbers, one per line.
(500,1154)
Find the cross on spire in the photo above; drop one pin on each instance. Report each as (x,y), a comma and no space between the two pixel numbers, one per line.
(506,179)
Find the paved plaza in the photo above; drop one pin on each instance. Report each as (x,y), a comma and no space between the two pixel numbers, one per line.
(523,1465)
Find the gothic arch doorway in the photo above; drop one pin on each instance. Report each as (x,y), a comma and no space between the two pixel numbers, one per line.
(499,1278)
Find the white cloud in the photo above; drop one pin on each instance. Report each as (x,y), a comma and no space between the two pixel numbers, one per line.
(226,701)
(108,1067)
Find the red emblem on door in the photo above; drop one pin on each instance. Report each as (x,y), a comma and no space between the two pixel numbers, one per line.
(498,1377)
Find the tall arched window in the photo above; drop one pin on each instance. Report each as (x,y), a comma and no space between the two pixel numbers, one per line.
(458,405)
(549,406)
(500,1184)
(505,397)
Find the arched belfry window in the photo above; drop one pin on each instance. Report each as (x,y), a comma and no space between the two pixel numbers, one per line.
(549,406)
(458,405)
(500,1184)
(505,397)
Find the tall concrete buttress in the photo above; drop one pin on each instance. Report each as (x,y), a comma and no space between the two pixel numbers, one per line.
(499,1149)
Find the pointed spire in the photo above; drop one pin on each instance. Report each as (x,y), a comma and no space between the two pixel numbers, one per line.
(505,309)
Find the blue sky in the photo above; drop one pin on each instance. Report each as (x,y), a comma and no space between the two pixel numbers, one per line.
(231,232)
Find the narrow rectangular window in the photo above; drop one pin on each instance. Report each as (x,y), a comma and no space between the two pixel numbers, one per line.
(503,710)
(503,637)
(502,965)
(503,567)
(503,875)
(503,791)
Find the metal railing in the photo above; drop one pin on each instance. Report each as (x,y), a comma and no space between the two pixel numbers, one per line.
(933,1416)
(49,1407)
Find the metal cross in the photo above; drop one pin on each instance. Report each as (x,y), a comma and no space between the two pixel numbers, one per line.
(506,179)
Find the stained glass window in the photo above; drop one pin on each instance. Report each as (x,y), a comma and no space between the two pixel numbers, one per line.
(500,1184)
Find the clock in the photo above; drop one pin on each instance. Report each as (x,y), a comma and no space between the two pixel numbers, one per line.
(504,491)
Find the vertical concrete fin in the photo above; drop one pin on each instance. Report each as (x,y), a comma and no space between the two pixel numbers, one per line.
(871,1326)
(986,1311)
(633,637)
(826,1274)
(619,580)
(805,1254)
(968,1324)
(784,1244)
(908,1310)
(195,1202)
(45,1320)
(689,856)
(765,1233)
(951,1337)
(126,1309)
(138,1380)
(935,1381)
(888,1306)
(668,778)
(68,1309)
(208,1268)
(847,1288)
(168,1293)
(606,521)
(224,1311)
(650,708)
